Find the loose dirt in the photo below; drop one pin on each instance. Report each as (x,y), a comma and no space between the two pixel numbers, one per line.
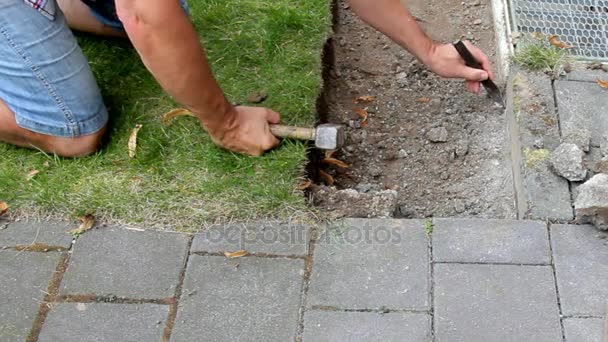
(443,150)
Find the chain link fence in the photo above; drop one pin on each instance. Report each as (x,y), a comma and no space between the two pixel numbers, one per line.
(582,24)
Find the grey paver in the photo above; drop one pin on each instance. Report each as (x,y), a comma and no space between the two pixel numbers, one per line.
(246,299)
(26,233)
(583,329)
(24,279)
(78,322)
(261,237)
(581,267)
(331,326)
(584,104)
(534,130)
(499,241)
(495,303)
(367,264)
(582,74)
(126,263)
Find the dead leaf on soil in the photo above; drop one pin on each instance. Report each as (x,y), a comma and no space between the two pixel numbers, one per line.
(330,153)
(31,174)
(132,145)
(329,180)
(602,83)
(304,185)
(235,255)
(87,222)
(367,98)
(424,100)
(3,208)
(176,112)
(555,42)
(363,114)
(335,162)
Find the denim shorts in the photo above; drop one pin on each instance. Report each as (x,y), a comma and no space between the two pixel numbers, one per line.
(44,77)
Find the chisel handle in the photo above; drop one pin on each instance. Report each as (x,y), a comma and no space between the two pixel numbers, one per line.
(292,132)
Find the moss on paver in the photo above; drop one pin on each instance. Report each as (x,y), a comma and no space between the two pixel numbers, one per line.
(179,178)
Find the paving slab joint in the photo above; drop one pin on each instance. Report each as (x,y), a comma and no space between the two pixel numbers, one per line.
(308,264)
(559,303)
(255,255)
(431,283)
(489,263)
(51,296)
(109,299)
(178,294)
(382,310)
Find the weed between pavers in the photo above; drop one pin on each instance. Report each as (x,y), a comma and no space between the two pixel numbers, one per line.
(535,52)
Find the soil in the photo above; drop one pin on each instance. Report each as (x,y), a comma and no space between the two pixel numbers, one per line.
(443,150)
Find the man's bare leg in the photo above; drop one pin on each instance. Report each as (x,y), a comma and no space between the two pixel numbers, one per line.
(79,18)
(12,133)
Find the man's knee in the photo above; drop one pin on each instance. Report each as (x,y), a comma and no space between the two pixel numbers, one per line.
(77,147)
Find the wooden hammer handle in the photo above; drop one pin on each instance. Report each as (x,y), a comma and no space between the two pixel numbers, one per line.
(291,132)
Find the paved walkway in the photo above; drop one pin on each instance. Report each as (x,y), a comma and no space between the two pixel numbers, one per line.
(358,280)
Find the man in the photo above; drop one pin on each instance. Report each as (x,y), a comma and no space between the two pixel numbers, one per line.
(49,99)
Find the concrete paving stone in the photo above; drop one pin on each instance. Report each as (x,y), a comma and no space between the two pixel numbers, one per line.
(581,266)
(24,233)
(498,241)
(261,237)
(78,322)
(245,299)
(583,329)
(332,326)
(24,279)
(584,104)
(126,263)
(371,264)
(534,131)
(582,74)
(495,303)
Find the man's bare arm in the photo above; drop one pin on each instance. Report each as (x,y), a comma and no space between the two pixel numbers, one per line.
(169,47)
(393,19)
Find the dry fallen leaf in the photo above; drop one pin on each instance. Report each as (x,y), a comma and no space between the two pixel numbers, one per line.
(38,247)
(3,208)
(87,222)
(602,83)
(304,185)
(424,100)
(46,164)
(330,153)
(336,162)
(176,112)
(555,42)
(132,145)
(367,98)
(31,174)
(329,180)
(257,97)
(363,114)
(237,254)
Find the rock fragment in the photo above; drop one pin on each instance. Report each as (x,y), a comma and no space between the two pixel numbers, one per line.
(568,162)
(352,203)
(438,134)
(591,205)
(581,137)
(604,146)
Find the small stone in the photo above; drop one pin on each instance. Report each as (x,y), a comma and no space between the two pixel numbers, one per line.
(460,207)
(604,146)
(366,187)
(375,171)
(591,205)
(462,148)
(438,134)
(477,22)
(578,136)
(402,154)
(257,97)
(602,166)
(568,162)
(401,79)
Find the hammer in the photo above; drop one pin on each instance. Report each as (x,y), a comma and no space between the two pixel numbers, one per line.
(326,136)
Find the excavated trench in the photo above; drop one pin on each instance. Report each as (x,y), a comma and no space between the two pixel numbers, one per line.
(428,148)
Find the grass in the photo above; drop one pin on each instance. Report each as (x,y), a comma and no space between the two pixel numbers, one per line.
(534,52)
(179,179)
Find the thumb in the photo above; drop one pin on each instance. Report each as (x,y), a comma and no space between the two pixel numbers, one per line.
(273,117)
(471,74)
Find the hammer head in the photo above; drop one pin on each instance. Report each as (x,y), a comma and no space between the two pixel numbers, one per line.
(330,136)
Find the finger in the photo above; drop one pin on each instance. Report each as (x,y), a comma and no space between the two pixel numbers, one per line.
(273,117)
(474,87)
(271,142)
(472,74)
(482,58)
